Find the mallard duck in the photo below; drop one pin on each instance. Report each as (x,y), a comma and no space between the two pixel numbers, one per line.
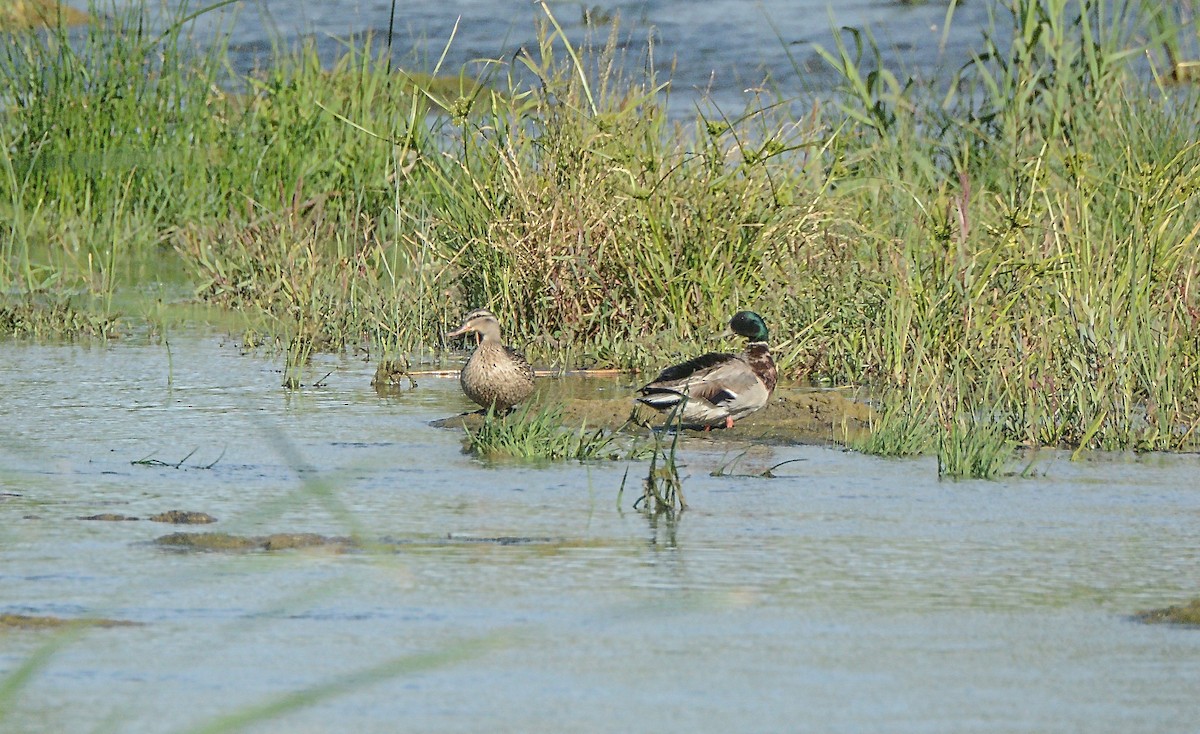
(496,374)
(716,389)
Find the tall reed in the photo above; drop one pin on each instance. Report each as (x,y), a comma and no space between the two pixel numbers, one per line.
(1016,241)
(1026,245)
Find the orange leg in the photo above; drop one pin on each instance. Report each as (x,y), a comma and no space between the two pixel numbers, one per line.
(729,421)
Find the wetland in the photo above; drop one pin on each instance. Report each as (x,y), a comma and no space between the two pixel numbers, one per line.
(363,569)
(241,487)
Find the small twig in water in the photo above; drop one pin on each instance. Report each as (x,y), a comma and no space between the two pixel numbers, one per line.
(189,455)
(768,473)
(662,488)
(219,457)
(149,461)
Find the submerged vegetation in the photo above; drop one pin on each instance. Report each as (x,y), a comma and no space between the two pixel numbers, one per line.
(662,489)
(1009,255)
(52,318)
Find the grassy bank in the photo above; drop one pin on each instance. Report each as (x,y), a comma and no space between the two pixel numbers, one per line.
(1012,249)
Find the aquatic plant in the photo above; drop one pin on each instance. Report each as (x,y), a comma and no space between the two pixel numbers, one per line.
(1044,268)
(527,433)
(662,489)
(52,318)
(727,469)
(898,429)
(968,445)
(971,447)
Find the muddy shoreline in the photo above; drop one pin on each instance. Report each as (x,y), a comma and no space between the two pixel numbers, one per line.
(795,415)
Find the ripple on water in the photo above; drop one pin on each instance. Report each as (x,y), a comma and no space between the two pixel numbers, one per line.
(848,594)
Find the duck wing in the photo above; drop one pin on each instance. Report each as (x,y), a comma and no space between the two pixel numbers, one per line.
(715,377)
(519,362)
(681,372)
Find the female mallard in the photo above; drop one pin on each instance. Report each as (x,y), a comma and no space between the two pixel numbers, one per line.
(495,375)
(717,388)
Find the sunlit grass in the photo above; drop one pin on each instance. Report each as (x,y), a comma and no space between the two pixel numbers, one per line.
(1021,236)
(52,318)
(1013,250)
(897,431)
(528,433)
(973,448)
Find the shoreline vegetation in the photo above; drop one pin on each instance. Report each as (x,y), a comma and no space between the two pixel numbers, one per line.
(1003,258)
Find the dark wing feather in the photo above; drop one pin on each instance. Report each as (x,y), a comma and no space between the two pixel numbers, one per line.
(714,377)
(684,370)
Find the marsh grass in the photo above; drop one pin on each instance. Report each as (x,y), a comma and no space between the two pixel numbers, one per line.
(1015,247)
(1044,263)
(973,448)
(898,430)
(728,469)
(1179,35)
(967,445)
(1020,236)
(1187,613)
(53,318)
(526,433)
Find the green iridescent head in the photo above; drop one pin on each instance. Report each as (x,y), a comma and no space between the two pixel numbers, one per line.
(749,325)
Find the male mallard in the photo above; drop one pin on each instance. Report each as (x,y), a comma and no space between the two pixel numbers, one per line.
(495,374)
(717,388)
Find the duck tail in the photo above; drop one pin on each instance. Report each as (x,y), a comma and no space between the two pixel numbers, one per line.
(661,400)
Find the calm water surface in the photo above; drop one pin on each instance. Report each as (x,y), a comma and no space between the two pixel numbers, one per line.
(716,51)
(850,594)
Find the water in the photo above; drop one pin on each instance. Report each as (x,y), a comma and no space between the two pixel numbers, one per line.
(850,594)
(715,52)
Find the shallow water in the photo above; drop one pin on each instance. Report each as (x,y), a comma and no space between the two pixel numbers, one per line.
(850,594)
(716,51)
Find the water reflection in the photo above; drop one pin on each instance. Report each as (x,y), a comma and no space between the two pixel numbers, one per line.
(663,529)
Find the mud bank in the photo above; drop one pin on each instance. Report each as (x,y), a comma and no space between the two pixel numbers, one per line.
(43,622)
(795,415)
(229,543)
(1182,614)
(240,543)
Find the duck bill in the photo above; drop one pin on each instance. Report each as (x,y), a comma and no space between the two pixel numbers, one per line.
(463,331)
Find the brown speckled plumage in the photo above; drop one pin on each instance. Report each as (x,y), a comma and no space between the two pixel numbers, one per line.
(495,374)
